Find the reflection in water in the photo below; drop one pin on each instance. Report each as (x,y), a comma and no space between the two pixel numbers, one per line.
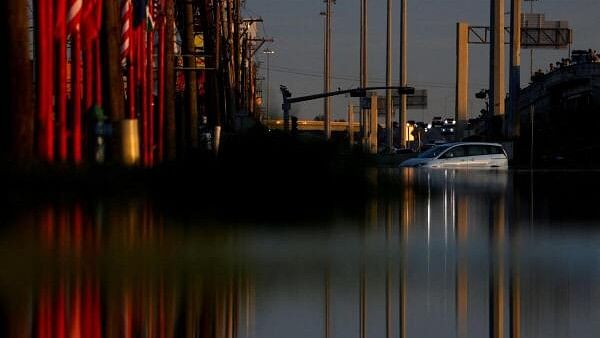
(460,254)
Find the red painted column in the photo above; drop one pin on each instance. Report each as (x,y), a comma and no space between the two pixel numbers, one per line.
(61,81)
(161,89)
(76,97)
(45,59)
(150,84)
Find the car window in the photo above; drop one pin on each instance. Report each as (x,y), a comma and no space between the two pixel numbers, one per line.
(477,150)
(433,152)
(495,150)
(455,152)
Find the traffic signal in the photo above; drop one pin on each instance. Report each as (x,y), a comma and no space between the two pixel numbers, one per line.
(285,92)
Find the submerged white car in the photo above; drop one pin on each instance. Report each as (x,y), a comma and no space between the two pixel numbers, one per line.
(462,155)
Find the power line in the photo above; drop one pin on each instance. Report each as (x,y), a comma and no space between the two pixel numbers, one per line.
(308,73)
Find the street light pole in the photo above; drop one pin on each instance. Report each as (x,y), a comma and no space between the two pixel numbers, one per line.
(268,53)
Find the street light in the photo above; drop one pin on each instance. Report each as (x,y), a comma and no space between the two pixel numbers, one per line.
(268,53)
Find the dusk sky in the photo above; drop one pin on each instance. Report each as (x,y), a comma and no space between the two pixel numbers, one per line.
(297,29)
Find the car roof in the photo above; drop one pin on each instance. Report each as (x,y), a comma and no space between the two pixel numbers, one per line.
(473,143)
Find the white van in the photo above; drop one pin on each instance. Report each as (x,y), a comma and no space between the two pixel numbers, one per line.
(462,155)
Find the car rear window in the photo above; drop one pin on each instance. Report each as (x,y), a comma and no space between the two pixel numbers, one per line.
(477,150)
(495,150)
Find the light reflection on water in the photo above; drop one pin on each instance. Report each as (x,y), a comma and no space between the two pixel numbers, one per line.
(450,254)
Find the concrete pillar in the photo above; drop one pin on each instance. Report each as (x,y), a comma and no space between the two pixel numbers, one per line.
(462,78)
(497,77)
(513,125)
(373,126)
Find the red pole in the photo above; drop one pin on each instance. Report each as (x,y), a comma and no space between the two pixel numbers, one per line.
(76,88)
(161,89)
(144,94)
(88,89)
(150,83)
(131,62)
(88,63)
(50,76)
(61,69)
(97,52)
(44,79)
(98,72)
(131,84)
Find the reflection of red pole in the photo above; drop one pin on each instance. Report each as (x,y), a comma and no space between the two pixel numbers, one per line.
(162,332)
(60,321)
(63,231)
(76,89)
(44,314)
(75,330)
(77,229)
(97,329)
(48,226)
(161,89)
(88,307)
(127,315)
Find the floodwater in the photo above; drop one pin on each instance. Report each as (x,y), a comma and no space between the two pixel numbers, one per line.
(447,254)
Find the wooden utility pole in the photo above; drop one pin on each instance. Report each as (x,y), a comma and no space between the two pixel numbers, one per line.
(513,125)
(364,64)
(218,73)
(170,128)
(17,75)
(115,98)
(327,109)
(237,52)
(231,64)
(497,76)
(191,88)
(389,111)
(403,74)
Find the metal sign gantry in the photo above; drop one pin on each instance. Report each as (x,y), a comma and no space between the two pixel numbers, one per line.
(532,31)
(531,37)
